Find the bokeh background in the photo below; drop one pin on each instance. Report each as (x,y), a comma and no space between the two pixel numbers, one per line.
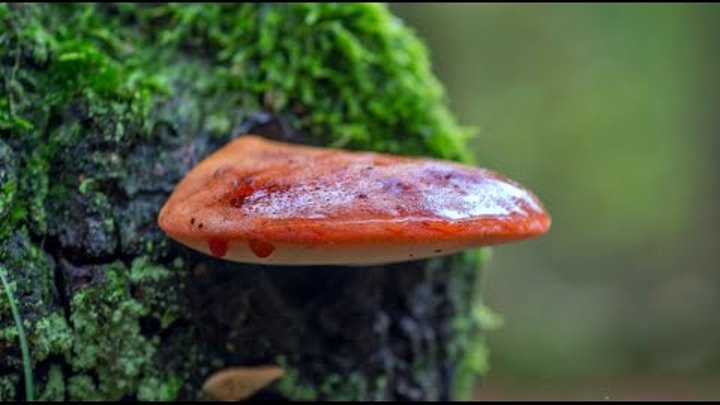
(611,114)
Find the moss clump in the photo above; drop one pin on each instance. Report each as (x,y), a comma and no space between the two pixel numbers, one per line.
(107,341)
(54,385)
(159,290)
(163,387)
(104,107)
(351,73)
(111,357)
(333,387)
(33,287)
(8,181)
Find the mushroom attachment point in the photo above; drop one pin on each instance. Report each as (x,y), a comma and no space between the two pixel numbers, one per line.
(261,201)
(237,383)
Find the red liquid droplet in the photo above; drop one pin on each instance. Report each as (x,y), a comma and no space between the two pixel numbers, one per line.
(218,247)
(261,249)
(238,196)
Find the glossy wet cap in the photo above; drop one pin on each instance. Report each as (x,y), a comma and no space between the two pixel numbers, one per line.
(262,201)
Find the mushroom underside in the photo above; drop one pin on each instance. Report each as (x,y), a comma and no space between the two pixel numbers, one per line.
(356,254)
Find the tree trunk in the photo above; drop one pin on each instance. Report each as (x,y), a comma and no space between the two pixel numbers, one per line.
(104,108)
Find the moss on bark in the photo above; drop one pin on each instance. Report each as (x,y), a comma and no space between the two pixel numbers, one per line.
(103,108)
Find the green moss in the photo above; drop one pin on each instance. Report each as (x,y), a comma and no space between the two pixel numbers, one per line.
(163,387)
(54,386)
(8,180)
(107,338)
(292,386)
(87,185)
(108,342)
(51,335)
(161,290)
(10,121)
(360,77)
(82,386)
(7,387)
(333,387)
(20,332)
(35,177)
(31,282)
(345,388)
(118,372)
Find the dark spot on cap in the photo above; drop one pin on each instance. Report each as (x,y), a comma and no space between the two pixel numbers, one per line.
(403,186)
(243,190)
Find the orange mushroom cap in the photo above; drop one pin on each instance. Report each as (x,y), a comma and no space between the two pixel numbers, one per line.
(262,201)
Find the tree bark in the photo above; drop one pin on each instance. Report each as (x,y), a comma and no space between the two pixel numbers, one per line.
(104,108)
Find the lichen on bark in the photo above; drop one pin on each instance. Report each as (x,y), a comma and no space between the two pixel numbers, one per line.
(103,108)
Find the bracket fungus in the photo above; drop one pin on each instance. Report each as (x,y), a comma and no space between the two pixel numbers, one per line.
(261,201)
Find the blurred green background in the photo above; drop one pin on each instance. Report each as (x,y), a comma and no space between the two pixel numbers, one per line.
(609,112)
